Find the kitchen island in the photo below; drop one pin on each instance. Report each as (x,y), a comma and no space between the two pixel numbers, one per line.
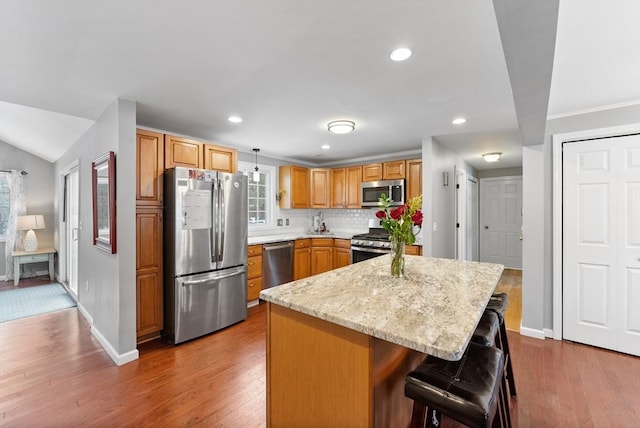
(339,344)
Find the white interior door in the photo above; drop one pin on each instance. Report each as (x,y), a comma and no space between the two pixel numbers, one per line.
(461,215)
(501,221)
(472,219)
(601,243)
(71,222)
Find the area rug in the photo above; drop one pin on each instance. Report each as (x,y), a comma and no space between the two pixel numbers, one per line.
(30,301)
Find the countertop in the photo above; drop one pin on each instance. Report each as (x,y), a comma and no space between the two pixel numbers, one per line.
(434,310)
(267,239)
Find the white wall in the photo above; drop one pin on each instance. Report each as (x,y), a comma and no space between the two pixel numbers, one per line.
(39,193)
(537,302)
(107,286)
(438,201)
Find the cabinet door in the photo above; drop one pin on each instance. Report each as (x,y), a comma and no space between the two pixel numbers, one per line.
(182,152)
(254,286)
(149,286)
(254,267)
(338,181)
(372,172)
(149,167)
(393,170)
(321,259)
(414,250)
(319,186)
(414,178)
(341,257)
(294,180)
(353,187)
(302,263)
(220,158)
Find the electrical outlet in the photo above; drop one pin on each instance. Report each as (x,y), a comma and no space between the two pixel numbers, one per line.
(435,226)
(286,221)
(279,222)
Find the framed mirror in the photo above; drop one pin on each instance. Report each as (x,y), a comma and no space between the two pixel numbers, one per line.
(103,170)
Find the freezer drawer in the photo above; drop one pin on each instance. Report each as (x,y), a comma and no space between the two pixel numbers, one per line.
(207,302)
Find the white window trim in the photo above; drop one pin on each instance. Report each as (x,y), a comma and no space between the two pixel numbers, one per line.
(271,192)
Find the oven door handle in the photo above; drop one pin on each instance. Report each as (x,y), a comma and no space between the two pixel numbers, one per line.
(371,250)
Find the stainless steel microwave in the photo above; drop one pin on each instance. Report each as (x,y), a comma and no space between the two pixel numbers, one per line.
(371,191)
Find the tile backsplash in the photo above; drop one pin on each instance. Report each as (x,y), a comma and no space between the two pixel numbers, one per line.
(336,220)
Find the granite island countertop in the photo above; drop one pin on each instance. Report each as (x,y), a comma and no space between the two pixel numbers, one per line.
(433,310)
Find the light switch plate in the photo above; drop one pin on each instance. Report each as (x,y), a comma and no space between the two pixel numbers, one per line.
(435,226)
(279,222)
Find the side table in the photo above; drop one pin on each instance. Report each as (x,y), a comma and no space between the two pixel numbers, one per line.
(38,256)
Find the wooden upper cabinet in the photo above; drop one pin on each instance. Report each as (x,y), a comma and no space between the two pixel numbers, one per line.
(220,158)
(149,167)
(181,151)
(319,187)
(414,178)
(346,187)
(372,172)
(294,180)
(393,170)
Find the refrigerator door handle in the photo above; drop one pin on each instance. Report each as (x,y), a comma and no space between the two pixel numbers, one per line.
(208,280)
(221,222)
(213,231)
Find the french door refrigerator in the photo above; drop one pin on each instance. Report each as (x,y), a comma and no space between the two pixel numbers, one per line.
(205,247)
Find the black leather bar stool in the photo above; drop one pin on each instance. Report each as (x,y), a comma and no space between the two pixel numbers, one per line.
(467,391)
(498,303)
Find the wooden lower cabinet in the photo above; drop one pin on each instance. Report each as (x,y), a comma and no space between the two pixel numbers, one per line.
(414,250)
(302,259)
(254,272)
(341,253)
(149,285)
(321,255)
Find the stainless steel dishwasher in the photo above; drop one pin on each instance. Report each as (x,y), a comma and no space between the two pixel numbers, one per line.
(277,263)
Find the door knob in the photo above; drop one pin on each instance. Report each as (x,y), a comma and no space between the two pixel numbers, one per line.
(486,227)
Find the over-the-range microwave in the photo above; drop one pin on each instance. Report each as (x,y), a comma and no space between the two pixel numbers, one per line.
(371,191)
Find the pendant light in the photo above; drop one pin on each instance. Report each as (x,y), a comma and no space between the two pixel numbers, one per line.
(256,173)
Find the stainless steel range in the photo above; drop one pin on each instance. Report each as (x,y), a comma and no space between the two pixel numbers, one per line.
(369,245)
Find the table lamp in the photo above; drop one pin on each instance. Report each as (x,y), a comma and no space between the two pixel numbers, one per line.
(30,222)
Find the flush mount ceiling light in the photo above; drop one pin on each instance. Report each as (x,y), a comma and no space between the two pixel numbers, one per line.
(341,126)
(256,173)
(400,54)
(458,120)
(325,147)
(235,119)
(492,157)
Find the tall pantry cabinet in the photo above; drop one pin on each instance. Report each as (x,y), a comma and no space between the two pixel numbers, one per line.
(149,200)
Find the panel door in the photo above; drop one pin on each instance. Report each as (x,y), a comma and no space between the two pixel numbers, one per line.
(338,187)
(353,187)
(601,243)
(319,188)
(221,159)
(414,178)
(149,167)
(182,152)
(301,263)
(321,260)
(501,221)
(149,281)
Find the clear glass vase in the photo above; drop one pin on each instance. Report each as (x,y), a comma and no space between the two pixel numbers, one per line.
(397,259)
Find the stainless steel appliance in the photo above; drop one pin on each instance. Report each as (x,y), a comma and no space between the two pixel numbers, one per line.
(205,247)
(369,245)
(277,263)
(371,191)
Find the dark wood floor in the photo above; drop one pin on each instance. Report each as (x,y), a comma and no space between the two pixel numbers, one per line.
(53,373)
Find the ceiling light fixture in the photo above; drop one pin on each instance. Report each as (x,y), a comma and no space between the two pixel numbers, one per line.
(325,147)
(459,121)
(256,173)
(341,126)
(492,157)
(235,119)
(400,54)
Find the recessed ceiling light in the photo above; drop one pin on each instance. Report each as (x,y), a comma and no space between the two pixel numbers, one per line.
(492,157)
(400,54)
(459,121)
(325,147)
(341,126)
(235,119)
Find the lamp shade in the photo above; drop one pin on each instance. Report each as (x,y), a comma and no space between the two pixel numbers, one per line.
(30,222)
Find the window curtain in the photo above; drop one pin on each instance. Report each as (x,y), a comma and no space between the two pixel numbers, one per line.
(18,207)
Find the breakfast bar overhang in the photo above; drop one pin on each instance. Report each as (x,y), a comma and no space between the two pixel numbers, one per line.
(340,344)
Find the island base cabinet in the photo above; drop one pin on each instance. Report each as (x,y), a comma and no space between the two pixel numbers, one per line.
(336,376)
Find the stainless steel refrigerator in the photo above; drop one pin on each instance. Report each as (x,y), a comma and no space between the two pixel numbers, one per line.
(205,247)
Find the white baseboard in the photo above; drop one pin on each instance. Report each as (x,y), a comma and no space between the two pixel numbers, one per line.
(253,303)
(532,332)
(3,277)
(548,332)
(119,359)
(85,314)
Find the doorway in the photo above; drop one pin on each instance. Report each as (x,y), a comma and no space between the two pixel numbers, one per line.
(70,228)
(466,201)
(601,242)
(501,221)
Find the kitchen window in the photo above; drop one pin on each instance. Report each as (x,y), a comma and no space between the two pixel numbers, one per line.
(261,194)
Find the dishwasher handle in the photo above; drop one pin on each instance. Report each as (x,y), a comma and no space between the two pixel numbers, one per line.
(269,247)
